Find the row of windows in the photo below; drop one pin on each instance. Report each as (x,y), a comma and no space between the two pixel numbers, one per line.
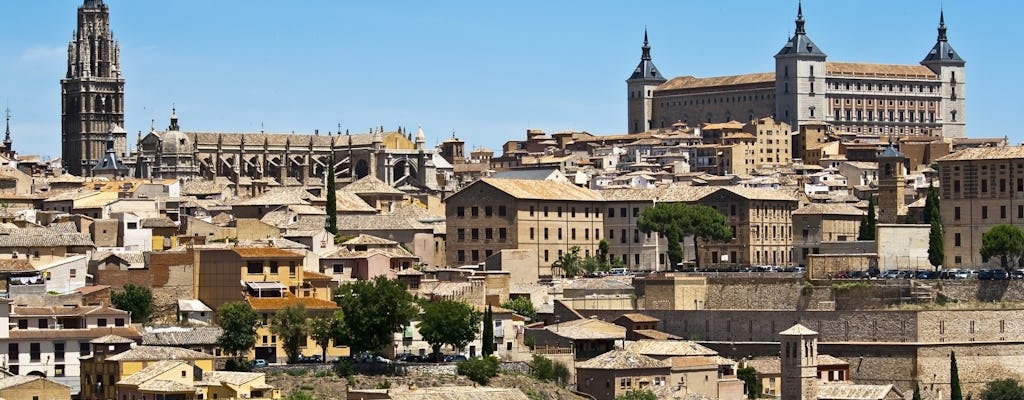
(475,211)
(35,352)
(44,323)
(920,103)
(893,116)
(984,213)
(572,233)
(474,234)
(716,100)
(572,211)
(256,268)
(899,87)
(984,185)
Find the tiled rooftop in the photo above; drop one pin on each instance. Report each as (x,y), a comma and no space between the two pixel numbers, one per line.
(619,359)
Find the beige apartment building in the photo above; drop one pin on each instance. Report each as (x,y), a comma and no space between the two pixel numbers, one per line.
(550,217)
(980,188)
(818,223)
(762,225)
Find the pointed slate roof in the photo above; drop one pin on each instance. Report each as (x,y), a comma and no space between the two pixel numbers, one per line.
(646,70)
(890,152)
(800,44)
(943,53)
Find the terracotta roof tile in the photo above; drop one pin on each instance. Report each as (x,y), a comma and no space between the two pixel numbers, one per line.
(689,82)
(621,359)
(263,252)
(879,70)
(278,303)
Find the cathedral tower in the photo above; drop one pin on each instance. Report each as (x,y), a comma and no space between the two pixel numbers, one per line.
(946,63)
(799,364)
(800,79)
(641,85)
(92,92)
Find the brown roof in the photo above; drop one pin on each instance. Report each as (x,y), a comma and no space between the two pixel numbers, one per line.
(370,185)
(985,153)
(279,303)
(261,252)
(363,239)
(588,329)
(155,353)
(828,209)
(652,334)
(689,82)
(15,265)
(723,125)
(315,276)
(637,317)
(671,348)
(621,359)
(879,70)
(541,190)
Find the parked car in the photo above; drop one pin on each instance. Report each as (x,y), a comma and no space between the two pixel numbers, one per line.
(409,358)
(313,359)
(455,358)
(257,363)
(1017,274)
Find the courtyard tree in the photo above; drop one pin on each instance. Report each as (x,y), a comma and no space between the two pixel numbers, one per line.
(1003,389)
(487,338)
(602,251)
(290,324)
(1003,241)
(238,321)
(374,311)
(449,322)
(325,328)
(570,262)
(868,222)
(677,220)
(749,377)
(522,306)
(936,254)
(137,300)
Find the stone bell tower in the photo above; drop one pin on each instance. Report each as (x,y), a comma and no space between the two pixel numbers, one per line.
(799,359)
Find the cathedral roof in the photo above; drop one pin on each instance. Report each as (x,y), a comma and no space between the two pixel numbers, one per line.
(800,43)
(646,69)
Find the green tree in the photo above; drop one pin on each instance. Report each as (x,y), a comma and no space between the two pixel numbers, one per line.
(238,321)
(450,322)
(955,392)
(1003,389)
(522,306)
(917,392)
(677,220)
(479,369)
(137,300)
(1003,241)
(749,377)
(936,253)
(325,328)
(332,199)
(569,262)
(374,311)
(299,394)
(290,324)
(637,394)
(593,264)
(487,338)
(545,369)
(867,223)
(602,251)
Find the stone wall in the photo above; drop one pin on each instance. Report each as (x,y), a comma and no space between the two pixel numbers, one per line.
(975,290)
(754,292)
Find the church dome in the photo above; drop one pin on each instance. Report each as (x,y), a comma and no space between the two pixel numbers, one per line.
(175,142)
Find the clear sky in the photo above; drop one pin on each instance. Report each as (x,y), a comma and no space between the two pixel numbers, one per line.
(485,70)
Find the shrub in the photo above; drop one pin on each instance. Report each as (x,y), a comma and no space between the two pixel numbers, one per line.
(479,369)
(807,289)
(545,369)
(237,365)
(296,371)
(323,374)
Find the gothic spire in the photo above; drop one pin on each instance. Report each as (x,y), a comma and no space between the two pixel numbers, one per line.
(942,26)
(7,133)
(800,19)
(942,52)
(646,70)
(800,43)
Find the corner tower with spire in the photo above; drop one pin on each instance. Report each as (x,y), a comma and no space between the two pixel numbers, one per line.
(640,87)
(92,92)
(948,65)
(800,78)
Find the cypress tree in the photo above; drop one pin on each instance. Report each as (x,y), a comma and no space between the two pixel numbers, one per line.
(867,223)
(955,392)
(488,333)
(936,253)
(332,200)
(917,392)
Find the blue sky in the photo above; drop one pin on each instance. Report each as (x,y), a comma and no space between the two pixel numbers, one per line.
(485,70)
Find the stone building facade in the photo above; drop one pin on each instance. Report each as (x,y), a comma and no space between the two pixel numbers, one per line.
(550,217)
(762,225)
(806,88)
(92,92)
(818,223)
(980,188)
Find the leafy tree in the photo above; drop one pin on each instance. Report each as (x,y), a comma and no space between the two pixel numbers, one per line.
(1003,389)
(488,336)
(324,328)
(332,199)
(238,320)
(1003,241)
(373,312)
(955,392)
(545,369)
(449,322)
(867,223)
(593,264)
(677,220)
(639,394)
(290,325)
(479,369)
(569,262)
(522,306)
(936,253)
(749,376)
(602,251)
(137,300)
